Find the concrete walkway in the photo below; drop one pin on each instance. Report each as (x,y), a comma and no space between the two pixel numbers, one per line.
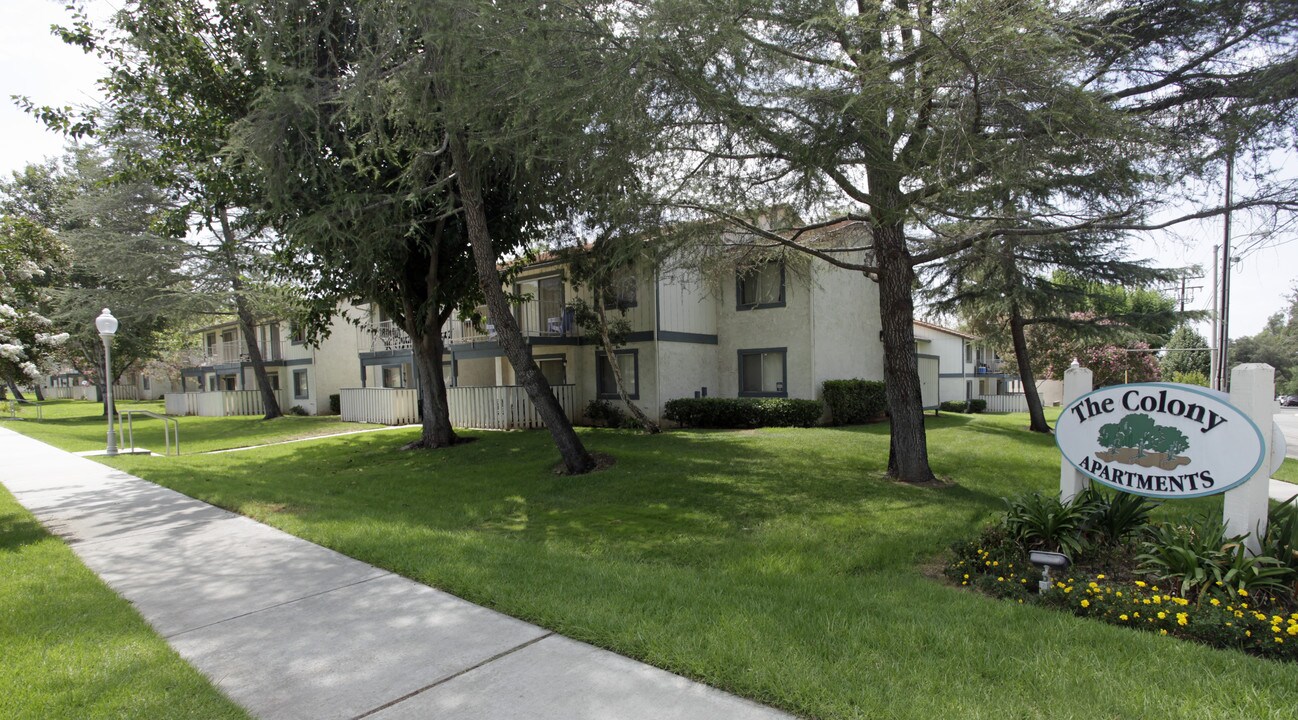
(289,629)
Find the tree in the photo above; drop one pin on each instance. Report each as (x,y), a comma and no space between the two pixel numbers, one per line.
(180,73)
(1276,345)
(1168,440)
(29,253)
(1003,288)
(1053,348)
(605,268)
(924,119)
(1186,356)
(334,185)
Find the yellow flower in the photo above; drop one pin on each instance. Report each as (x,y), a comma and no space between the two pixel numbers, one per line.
(1276,619)
(1118,593)
(1163,631)
(966,576)
(1182,619)
(1248,633)
(1099,577)
(1242,592)
(1086,603)
(1162,615)
(1140,583)
(1157,600)
(1123,617)
(1215,602)
(997,563)
(1293,630)
(1000,579)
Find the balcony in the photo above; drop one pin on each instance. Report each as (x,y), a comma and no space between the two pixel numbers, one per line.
(233,352)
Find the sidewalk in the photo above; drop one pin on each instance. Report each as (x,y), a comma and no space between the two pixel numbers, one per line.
(289,629)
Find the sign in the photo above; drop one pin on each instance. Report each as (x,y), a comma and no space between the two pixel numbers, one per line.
(1160,440)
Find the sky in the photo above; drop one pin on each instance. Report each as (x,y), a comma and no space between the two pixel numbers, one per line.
(35,63)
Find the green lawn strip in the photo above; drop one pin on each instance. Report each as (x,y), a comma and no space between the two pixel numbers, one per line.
(779,564)
(1288,471)
(73,649)
(79,425)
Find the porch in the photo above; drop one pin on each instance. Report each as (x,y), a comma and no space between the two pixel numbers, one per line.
(215,404)
(490,407)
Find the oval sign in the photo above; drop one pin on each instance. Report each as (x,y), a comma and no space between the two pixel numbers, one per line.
(1160,440)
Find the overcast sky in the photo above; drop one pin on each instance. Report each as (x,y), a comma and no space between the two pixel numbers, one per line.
(40,66)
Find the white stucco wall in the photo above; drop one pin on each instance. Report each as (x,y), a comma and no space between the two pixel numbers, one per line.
(843,325)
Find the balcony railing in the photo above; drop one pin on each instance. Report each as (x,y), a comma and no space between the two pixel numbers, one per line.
(236,351)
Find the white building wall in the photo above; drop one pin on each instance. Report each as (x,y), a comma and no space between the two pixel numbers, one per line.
(788,327)
(686,304)
(844,326)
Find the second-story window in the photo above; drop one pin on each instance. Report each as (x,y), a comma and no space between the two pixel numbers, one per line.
(621,293)
(295,333)
(760,286)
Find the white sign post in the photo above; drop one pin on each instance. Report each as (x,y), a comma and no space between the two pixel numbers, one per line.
(1252,390)
(1072,482)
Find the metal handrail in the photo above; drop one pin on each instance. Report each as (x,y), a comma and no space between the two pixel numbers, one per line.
(14,405)
(126,429)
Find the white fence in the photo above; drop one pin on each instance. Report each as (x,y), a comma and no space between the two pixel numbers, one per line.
(215,404)
(1005,403)
(502,407)
(57,393)
(387,406)
(491,407)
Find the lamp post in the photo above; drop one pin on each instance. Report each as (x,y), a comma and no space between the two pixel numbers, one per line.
(107,326)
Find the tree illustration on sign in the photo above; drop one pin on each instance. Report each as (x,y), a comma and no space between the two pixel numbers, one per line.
(1137,440)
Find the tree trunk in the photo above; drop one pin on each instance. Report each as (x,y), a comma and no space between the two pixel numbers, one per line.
(247,322)
(427,347)
(908,447)
(40,396)
(1035,411)
(576,459)
(13,388)
(649,426)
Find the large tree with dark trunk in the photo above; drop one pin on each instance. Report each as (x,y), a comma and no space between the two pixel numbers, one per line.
(919,119)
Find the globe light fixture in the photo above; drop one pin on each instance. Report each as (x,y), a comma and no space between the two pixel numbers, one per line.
(106,324)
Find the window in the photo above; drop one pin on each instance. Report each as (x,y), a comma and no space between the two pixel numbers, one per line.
(621,293)
(555,369)
(628,362)
(272,379)
(144,382)
(230,383)
(760,287)
(295,333)
(211,383)
(393,377)
(300,390)
(763,373)
(968,354)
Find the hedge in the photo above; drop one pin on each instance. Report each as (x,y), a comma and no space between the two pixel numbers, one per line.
(743,412)
(852,402)
(959,406)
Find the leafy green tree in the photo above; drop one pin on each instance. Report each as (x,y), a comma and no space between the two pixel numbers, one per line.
(180,73)
(926,119)
(1003,288)
(1168,440)
(1186,354)
(1276,345)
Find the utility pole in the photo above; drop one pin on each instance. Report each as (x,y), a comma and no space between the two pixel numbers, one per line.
(1221,381)
(1214,381)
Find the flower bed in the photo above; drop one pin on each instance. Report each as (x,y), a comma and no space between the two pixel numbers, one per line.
(1186,581)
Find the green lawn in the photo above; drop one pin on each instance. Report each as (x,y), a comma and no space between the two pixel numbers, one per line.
(778,564)
(71,648)
(78,425)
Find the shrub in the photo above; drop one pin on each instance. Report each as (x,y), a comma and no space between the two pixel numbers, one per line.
(852,402)
(606,413)
(335,404)
(1202,560)
(298,410)
(1114,517)
(960,406)
(1281,541)
(1043,522)
(743,412)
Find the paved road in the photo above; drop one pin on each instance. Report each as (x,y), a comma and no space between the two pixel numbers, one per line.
(1287,419)
(289,629)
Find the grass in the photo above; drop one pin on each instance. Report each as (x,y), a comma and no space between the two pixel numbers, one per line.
(73,649)
(78,425)
(778,564)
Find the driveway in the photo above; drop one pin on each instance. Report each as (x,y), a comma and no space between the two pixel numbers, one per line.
(1287,419)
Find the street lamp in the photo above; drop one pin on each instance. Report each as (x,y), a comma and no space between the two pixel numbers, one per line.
(107,326)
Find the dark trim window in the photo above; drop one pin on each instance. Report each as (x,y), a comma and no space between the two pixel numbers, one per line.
(296,335)
(301,391)
(606,385)
(144,382)
(554,368)
(760,287)
(764,372)
(621,293)
(391,376)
